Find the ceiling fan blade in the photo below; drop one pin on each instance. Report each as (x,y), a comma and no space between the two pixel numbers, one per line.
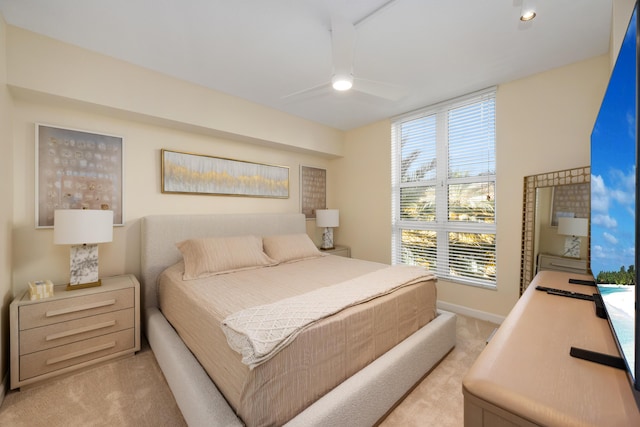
(320,89)
(343,37)
(387,91)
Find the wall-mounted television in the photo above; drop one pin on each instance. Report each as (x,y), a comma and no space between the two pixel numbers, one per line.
(615,220)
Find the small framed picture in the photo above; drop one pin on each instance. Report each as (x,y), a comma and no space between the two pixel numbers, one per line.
(313,190)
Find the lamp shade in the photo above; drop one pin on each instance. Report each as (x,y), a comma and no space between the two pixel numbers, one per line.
(327,218)
(80,226)
(573,226)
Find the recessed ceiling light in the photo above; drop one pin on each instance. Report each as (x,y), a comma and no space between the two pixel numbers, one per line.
(528,10)
(528,15)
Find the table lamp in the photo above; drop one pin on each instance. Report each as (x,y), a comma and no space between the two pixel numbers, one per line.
(573,228)
(327,218)
(83,229)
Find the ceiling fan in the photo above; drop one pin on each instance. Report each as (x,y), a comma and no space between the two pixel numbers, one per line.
(343,36)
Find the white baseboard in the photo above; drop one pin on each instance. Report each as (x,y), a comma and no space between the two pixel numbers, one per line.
(466,311)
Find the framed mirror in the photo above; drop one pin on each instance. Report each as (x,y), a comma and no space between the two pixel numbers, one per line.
(548,196)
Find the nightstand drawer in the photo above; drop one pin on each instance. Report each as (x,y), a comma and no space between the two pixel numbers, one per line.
(558,263)
(64,310)
(45,337)
(56,358)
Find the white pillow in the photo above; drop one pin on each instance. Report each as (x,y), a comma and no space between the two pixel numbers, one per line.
(216,255)
(290,247)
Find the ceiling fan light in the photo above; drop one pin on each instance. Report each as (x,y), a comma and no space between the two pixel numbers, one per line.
(528,15)
(528,10)
(342,83)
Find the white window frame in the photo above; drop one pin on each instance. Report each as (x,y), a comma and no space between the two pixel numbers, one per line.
(442,226)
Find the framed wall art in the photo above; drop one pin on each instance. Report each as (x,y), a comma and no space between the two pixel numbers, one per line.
(570,200)
(77,169)
(188,173)
(313,190)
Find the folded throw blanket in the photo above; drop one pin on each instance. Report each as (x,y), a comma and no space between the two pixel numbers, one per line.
(258,333)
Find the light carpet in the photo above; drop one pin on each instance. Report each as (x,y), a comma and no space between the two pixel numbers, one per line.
(437,400)
(133,392)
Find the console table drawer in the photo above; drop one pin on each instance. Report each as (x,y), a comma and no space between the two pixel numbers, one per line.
(42,362)
(45,337)
(35,315)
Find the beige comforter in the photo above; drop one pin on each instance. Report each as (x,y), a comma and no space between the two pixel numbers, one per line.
(321,357)
(259,333)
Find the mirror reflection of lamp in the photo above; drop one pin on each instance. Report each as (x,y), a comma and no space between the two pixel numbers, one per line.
(83,229)
(327,218)
(574,229)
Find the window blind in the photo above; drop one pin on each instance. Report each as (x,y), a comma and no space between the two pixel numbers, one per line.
(443,189)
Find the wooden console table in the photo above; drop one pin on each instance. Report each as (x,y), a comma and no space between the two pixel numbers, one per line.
(526,377)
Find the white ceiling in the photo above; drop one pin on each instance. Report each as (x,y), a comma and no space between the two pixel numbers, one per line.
(263,50)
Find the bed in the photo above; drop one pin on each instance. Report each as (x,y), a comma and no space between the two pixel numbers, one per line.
(361,399)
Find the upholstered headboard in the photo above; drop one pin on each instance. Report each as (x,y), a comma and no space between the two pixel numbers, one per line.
(160,233)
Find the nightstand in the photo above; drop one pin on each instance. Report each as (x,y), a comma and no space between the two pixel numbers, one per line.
(339,250)
(73,329)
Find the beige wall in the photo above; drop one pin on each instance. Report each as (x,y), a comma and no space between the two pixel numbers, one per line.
(543,124)
(622,10)
(6,218)
(40,64)
(363,182)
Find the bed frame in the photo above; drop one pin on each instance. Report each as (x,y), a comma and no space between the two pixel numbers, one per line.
(361,400)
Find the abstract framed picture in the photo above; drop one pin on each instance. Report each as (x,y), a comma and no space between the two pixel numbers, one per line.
(187,173)
(313,190)
(77,169)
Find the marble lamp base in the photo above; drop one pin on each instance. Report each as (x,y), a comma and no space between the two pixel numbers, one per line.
(83,267)
(327,238)
(572,247)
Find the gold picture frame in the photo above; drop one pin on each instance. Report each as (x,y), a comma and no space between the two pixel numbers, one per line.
(189,173)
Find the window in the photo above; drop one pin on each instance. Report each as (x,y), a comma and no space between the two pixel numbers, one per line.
(444,180)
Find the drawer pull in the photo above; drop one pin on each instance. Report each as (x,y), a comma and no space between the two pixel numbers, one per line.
(80,330)
(78,308)
(84,352)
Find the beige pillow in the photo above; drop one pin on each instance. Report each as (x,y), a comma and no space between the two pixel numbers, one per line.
(215,255)
(290,247)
